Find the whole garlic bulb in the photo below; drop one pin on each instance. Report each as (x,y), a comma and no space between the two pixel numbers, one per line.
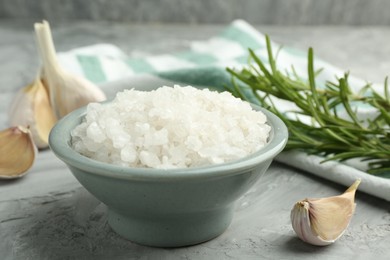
(31,107)
(321,221)
(67,91)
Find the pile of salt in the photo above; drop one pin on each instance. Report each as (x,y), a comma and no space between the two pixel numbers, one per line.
(170,127)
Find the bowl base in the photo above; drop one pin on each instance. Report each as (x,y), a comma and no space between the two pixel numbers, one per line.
(171,230)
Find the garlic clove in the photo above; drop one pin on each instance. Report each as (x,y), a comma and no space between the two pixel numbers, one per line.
(17,152)
(322,221)
(31,107)
(75,92)
(67,91)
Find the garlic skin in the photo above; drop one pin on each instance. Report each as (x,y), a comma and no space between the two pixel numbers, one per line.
(17,152)
(67,91)
(31,107)
(321,221)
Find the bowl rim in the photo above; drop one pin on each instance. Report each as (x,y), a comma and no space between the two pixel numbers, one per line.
(59,142)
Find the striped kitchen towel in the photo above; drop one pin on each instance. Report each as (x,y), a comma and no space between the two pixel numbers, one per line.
(203,65)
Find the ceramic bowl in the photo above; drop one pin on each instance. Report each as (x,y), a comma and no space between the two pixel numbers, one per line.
(167,208)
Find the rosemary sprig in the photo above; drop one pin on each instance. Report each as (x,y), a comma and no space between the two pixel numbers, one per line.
(327,134)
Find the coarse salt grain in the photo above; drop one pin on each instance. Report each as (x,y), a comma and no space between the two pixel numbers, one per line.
(170,127)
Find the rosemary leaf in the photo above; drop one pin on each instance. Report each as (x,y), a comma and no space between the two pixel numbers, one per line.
(328,133)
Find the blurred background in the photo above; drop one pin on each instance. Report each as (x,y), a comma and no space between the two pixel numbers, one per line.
(265,12)
(350,34)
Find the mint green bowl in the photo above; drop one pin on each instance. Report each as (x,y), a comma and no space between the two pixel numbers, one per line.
(167,208)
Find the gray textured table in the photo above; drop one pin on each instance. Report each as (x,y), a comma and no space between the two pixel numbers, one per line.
(48,215)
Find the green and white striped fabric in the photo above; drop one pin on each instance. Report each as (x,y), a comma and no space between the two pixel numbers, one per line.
(203,65)
(102,63)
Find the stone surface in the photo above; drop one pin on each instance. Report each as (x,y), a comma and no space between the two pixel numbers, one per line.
(48,215)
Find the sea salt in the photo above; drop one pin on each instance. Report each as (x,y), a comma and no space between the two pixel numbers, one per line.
(170,127)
